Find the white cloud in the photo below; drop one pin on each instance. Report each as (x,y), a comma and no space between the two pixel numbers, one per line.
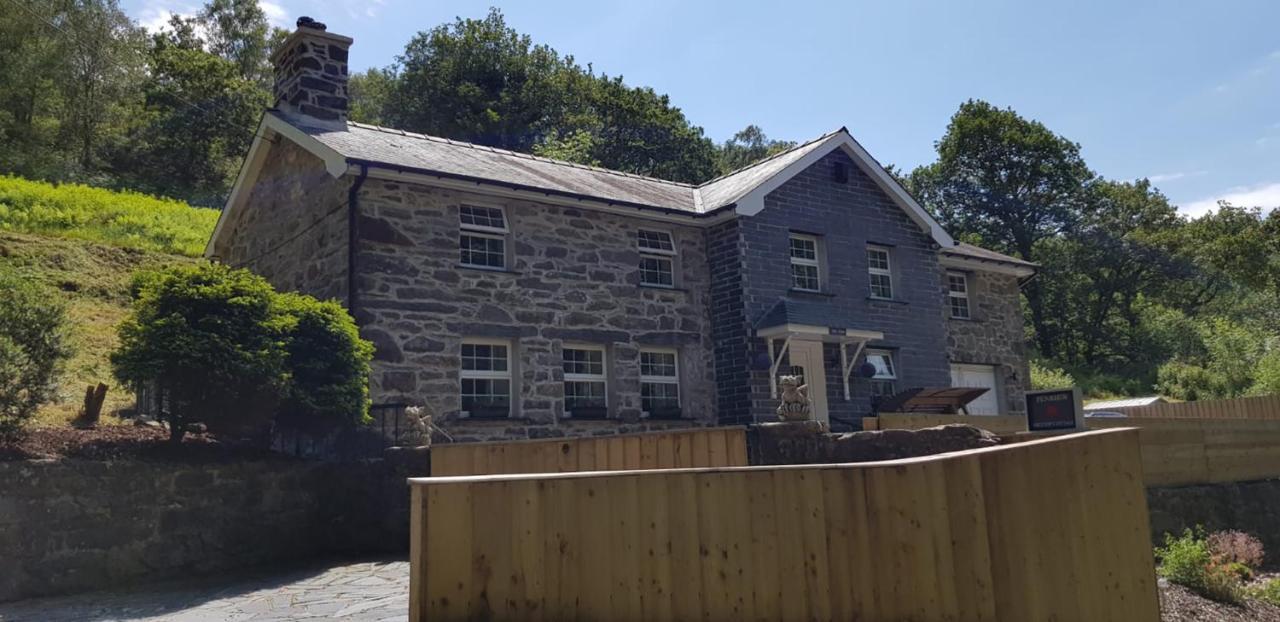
(1163,177)
(1265,195)
(155,15)
(276,14)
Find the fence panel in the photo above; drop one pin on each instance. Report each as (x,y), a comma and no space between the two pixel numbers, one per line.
(1262,407)
(1047,529)
(694,447)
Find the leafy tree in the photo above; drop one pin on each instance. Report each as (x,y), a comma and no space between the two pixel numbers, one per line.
(1226,368)
(1006,182)
(230,352)
(237,30)
(747,147)
(33,349)
(369,92)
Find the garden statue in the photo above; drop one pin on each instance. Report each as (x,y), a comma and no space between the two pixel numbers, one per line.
(795,399)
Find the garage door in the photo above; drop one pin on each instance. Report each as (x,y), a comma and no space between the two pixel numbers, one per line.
(978,376)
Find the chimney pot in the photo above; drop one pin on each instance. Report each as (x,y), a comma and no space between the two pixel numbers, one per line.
(307,22)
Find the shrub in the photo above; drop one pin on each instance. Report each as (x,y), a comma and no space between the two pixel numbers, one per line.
(1269,591)
(33,349)
(1045,377)
(1187,561)
(230,352)
(1236,547)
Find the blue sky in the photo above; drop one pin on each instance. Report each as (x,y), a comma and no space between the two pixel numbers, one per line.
(1185,93)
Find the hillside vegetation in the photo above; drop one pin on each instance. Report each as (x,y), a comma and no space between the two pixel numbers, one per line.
(123,219)
(84,244)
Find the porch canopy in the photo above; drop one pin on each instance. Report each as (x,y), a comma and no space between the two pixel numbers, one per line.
(791,320)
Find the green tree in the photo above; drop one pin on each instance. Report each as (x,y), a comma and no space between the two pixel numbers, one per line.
(747,147)
(1008,183)
(328,364)
(237,30)
(369,92)
(1226,367)
(33,349)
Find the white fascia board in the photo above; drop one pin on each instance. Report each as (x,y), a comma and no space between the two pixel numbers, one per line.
(441,181)
(979,265)
(753,202)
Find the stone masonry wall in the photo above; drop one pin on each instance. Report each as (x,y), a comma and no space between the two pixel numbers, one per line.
(994,335)
(76,525)
(846,217)
(293,228)
(572,277)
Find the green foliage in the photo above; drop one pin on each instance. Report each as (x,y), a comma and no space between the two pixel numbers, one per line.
(748,146)
(1225,368)
(1045,377)
(33,348)
(1187,561)
(1269,591)
(230,352)
(125,219)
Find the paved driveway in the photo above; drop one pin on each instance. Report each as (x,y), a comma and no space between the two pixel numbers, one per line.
(361,592)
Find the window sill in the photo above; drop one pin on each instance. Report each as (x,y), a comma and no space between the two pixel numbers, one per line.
(892,301)
(805,292)
(476,419)
(663,288)
(462,266)
(965,319)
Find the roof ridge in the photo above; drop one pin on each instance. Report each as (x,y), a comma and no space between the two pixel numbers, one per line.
(527,156)
(772,157)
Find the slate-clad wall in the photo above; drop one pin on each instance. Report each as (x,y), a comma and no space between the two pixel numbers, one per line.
(846,217)
(994,335)
(574,278)
(293,226)
(729,330)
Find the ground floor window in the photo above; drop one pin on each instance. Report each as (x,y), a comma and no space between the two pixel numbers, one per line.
(585,382)
(659,384)
(486,379)
(883,383)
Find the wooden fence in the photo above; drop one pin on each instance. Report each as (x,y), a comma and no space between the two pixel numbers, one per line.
(1263,407)
(694,447)
(1048,529)
(1175,451)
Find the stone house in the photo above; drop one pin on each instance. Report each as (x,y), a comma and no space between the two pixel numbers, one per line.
(517,296)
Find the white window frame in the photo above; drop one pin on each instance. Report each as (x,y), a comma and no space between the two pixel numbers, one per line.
(475,374)
(602,377)
(483,231)
(670,380)
(891,378)
(660,254)
(816,262)
(952,295)
(886,271)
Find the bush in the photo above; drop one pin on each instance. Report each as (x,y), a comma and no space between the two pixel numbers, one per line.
(33,349)
(1268,591)
(1237,547)
(1187,561)
(1045,377)
(119,218)
(230,352)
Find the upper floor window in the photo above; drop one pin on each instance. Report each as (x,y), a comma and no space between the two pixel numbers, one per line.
(659,383)
(958,295)
(657,258)
(883,382)
(804,263)
(585,383)
(880,272)
(486,378)
(483,240)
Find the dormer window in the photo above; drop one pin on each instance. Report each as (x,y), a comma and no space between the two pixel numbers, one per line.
(483,238)
(657,258)
(805,266)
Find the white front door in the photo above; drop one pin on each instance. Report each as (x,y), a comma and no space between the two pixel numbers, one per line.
(978,376)
(806,360)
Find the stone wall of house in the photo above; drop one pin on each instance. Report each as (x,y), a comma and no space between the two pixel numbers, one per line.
(994,335)
(292,229)
(846,217)
(76,525)
(572,277)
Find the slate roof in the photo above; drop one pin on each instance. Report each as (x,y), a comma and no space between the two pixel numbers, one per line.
(420,152)
(803,312)
(1124,403)
(962,249)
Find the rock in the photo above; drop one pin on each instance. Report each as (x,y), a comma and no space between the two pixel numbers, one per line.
(807,442)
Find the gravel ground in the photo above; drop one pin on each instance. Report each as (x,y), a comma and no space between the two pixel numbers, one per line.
(1178,604)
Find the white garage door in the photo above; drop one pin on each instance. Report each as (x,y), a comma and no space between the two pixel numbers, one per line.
(978,376)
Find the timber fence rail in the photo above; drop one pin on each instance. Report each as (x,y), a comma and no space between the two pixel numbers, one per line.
(1175,451)
(1047,529)
(1266,407)
(669,449)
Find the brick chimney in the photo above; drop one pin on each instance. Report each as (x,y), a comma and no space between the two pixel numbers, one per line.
(311,76)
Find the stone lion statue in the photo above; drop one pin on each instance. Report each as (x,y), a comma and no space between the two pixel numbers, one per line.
(795,399)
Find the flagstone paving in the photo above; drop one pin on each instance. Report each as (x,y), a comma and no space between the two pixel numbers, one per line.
(361,592)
